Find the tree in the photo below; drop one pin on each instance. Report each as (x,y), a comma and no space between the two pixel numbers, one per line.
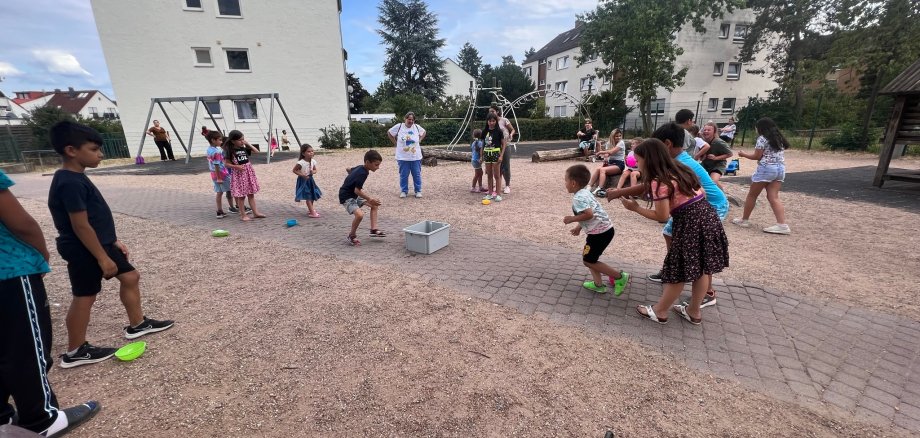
(469,60)
(608,110)
(410,33)
(879,39)
(42,119)
(358,93)
(635,39)
(783,27)
(529,52)
(514,84)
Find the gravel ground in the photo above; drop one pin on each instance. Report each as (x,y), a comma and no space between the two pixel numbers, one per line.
(312,346)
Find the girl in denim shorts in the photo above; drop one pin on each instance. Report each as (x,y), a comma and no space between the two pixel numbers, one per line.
(769,175)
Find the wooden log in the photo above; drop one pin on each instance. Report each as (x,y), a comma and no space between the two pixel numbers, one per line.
(429,161)
(445,154)
(556,154)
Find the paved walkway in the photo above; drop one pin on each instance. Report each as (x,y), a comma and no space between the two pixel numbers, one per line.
(820,354)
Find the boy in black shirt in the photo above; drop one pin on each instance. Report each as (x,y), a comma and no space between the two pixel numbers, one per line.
(88,243)
(352,196)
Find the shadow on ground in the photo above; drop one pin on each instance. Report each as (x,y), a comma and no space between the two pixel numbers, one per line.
(851,184)
(195,165)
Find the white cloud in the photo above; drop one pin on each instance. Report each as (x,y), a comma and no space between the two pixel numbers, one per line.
(59,62)
(551,8)
(7,69)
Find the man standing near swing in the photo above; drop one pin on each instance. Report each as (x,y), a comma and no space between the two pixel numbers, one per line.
(161,138)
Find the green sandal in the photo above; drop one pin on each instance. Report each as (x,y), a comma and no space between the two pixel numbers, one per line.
(594,288)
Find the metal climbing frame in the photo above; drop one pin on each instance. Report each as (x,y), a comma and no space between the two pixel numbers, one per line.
(158,101)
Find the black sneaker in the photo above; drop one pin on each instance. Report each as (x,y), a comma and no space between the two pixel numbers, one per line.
(221,215)
(233,210)
(656,277)
(708,300)
(86,355)
(75,416)
(147,327)
(248,210)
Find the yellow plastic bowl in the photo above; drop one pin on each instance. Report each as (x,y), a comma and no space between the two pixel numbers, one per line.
(131,351)
(486,202)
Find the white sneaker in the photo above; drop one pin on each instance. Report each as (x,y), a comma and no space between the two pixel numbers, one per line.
(507,190)
(743,223)
(418,194)
(778,229)
(403,195)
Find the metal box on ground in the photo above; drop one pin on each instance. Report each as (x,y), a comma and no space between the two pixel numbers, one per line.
(427,237)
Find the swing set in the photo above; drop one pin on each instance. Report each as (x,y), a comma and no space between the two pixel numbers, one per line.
(202,101)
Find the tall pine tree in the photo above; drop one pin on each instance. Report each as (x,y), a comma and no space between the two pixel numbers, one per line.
(410,33)
(469,60)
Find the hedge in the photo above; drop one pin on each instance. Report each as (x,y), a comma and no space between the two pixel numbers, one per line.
(372,135)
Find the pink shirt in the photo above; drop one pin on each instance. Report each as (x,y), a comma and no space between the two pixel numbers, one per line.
(662,191)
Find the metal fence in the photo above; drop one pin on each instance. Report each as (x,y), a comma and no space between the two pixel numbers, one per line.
(18,148)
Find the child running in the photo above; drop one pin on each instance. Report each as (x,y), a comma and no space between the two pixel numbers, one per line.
(699,247)
(476,149)
(353,197)
(306,188)
(599,230)
(770,174)
(87,241)
(243,182)
(220,175)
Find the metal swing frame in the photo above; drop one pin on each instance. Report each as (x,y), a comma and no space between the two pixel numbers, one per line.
(201,101)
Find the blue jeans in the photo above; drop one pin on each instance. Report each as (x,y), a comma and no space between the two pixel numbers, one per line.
(414,166)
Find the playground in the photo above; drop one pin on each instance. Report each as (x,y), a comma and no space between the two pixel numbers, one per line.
(289,331)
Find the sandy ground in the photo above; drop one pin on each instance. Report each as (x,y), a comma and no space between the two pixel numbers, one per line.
(303,352)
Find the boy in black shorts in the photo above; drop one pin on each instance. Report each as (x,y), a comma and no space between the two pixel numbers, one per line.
(87,241)
(352,196)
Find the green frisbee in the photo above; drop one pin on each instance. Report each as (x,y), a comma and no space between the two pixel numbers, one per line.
(220,233)
(131,351)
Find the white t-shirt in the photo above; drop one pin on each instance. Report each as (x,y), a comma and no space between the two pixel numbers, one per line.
(699,145)
(408,141)
(307,168)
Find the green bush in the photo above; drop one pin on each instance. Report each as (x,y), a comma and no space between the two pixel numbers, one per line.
(334,137)
(368,135)
(850,138)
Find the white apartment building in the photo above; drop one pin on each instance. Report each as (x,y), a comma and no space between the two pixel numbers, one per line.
(458,80)
(716,84)
(188,48)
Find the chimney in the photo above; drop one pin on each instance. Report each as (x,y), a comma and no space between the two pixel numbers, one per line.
(579,22)
(57,90)
(71,92)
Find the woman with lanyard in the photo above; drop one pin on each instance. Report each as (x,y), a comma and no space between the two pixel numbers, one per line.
(407,137)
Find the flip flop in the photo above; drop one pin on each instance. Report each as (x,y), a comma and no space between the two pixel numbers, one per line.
(378,233)
(651,314)
(681,310)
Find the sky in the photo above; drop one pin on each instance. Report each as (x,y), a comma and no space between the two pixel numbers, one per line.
(52,44)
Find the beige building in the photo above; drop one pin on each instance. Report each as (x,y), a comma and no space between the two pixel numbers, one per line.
(187,48)
(716,85)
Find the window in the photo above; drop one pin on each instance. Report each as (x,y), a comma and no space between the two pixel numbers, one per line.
(237,59)
(561,86)
(202,56)
(724,29)
(717,68)
(734,71)
(93,110)
(591,58)
(214,108)
(728,106)
(542,82)
(741,31)
(246,110)
(713,104)
(560,111)
(228,8)
(193,5)
(587,83)
(656,107)
(562,62)
(543,61)
(528,72)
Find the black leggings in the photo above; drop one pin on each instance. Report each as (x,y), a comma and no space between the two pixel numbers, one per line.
(165,150)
